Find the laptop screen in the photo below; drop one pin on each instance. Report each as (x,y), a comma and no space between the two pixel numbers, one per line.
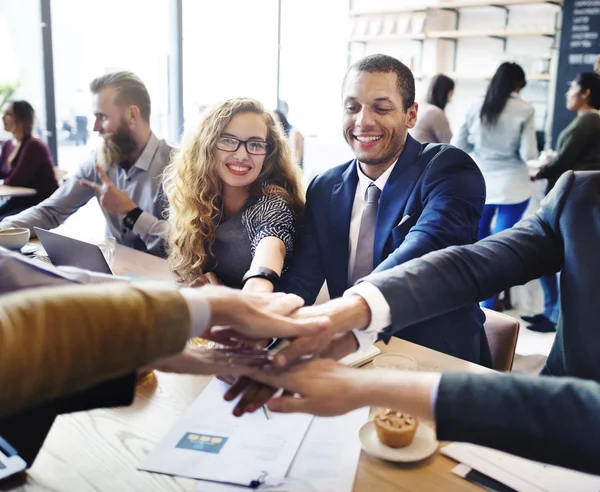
(66,251)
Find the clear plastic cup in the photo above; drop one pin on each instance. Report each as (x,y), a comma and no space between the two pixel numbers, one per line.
(107,246)
(395,361)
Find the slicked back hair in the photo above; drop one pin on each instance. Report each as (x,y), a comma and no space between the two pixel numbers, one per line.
(130,90)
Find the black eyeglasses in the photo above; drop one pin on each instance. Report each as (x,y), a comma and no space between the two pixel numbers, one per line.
(231,144)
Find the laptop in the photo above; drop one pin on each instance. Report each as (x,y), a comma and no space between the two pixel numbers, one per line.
(66,251)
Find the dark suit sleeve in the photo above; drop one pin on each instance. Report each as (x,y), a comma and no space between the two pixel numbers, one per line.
(549,419)
(444,281)
(27,430)
(453,196)
(305,276)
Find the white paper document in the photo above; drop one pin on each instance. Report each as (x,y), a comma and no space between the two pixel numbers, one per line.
(209,443)
(519,473)
(326,462)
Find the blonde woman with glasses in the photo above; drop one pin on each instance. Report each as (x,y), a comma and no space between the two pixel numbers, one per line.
(234,197)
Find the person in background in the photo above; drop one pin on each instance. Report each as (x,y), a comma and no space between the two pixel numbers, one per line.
(499,133)
(432,123)
(24,160)
(295,138)
(80,111)
(124,174)
(577,148)
(234,195)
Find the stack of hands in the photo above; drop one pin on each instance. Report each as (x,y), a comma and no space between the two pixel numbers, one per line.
(244,325)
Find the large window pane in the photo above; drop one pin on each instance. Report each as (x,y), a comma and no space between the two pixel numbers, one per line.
(21,49)
(91,39)
(314,58)
(229,50)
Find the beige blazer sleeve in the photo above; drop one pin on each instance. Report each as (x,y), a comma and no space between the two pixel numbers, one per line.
(55,341)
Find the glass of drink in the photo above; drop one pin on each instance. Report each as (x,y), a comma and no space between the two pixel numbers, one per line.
(107,246)
(395,361)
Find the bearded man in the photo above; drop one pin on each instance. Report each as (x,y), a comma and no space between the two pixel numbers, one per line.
(124,173)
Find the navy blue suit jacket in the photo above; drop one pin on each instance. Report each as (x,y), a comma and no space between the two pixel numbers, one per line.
(442,191)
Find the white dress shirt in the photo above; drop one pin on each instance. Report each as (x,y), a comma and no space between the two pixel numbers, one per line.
(380,310)
(358,206)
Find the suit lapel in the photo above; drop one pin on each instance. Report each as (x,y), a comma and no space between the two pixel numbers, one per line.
(340,214)
(395,194)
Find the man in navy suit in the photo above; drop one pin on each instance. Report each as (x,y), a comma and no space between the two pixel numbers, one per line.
(398,200)
(553,418)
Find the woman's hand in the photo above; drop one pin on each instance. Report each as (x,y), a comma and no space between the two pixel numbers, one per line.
(206,279)
(533,172)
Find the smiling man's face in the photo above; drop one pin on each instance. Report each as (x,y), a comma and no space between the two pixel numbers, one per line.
(375,123)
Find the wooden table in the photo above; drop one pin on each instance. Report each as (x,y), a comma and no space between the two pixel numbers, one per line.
(11,191)
(99,450)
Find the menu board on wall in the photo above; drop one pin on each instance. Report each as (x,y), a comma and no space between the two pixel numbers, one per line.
(579,47)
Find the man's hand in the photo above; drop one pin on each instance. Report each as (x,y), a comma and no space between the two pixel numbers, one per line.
(209,278)
(194,361)
(240,316)
(326,388)
(116,201)
(346,314)
(256,394)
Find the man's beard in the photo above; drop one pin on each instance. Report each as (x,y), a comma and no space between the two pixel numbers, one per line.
(117,147)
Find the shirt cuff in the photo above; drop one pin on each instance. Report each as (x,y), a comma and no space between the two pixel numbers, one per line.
(433,396)
(144,224)
(88,277)
(381,315)
(199,308)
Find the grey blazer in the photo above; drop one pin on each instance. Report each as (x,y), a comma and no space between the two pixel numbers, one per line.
(564,234)
(543,418)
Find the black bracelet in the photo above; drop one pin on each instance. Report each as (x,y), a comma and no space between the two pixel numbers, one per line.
(131,217)
(262,272)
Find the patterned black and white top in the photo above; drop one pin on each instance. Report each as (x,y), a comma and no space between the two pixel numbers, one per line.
(236,239)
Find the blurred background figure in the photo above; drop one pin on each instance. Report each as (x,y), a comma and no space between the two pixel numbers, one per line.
(295,138)
(499,133)
(81,108)
(577,148)
(432,122)
(25,160)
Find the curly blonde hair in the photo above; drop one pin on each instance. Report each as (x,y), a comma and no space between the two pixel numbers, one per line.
(194,188)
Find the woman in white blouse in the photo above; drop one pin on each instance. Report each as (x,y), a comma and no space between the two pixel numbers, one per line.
(499,134)
(432,123)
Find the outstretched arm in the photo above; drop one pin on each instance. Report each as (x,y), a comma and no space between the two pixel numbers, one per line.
(554,420)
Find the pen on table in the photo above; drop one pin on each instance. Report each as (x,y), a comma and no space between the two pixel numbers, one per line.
(267,413)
